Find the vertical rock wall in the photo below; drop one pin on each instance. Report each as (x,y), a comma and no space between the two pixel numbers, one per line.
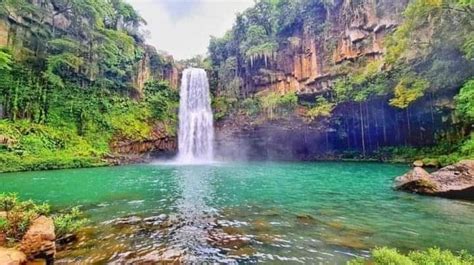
(307,63)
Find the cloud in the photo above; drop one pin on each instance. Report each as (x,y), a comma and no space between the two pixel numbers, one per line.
(183,27)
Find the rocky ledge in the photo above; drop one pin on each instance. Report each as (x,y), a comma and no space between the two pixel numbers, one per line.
(454,181)
(37,246)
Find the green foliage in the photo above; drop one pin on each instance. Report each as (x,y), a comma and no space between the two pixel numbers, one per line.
(276,105)
(443,153)
(465,102)
(129,120)
(251,107)
(69,222)
(467,147)
(3,225)
(408,90)
(259,31)
(389,256)
(163,102)
(65,94)
(81,124)
(35,146)
(19,214)
(222,106)
(468,46)
(5,60)
(322,108)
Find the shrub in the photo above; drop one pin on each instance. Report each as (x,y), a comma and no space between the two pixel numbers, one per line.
(222,106)
(322,108)
(391,256)
(69,222)
(3,225)
(277,105)
(19,214)
(251,106)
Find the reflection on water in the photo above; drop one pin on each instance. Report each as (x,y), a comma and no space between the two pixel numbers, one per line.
(194,215)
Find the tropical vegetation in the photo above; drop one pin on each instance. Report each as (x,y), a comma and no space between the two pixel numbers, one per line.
(66,92)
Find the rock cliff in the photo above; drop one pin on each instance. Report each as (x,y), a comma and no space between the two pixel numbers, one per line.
(351,35)
(308,63)
(16,32)
(158,141)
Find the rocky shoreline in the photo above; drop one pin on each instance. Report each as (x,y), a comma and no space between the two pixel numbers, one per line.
(38,245)
(454,181)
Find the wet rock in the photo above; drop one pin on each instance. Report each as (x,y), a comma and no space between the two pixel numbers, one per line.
(416,180)
(9,256)
(66,239)
(37,262)
(305,219)
(418,163)
(232,230)
(266,239)
(348,242)
(154,219)
(335,225)
(170,256)
(454,181)
(261,225)
(39,240)
(271,213)
(223,240)
(244,251)
(132,220)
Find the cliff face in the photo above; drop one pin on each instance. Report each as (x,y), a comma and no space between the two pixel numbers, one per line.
(159,141)
(147,69)
(16,32)
(28,34)
(308,64)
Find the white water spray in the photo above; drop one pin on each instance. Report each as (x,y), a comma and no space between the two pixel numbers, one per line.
(196,129)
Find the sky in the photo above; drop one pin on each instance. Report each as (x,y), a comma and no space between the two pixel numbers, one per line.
(183,27)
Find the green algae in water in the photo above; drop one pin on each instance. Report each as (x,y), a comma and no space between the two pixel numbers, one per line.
(288,212)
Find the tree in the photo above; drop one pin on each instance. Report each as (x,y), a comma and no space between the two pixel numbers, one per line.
(465,102)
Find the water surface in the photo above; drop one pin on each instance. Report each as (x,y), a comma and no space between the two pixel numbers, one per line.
(279,212)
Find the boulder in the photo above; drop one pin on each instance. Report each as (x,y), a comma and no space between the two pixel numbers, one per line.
(39,240)
(454,181)
(9,256)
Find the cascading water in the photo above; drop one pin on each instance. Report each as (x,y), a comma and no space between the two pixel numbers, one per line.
(196,130)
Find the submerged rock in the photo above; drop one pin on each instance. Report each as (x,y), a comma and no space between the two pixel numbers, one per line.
(9,256)
(169,256)
(305,219)
(131,220)
(454,181)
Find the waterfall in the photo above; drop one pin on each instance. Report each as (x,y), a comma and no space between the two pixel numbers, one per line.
(196,130)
